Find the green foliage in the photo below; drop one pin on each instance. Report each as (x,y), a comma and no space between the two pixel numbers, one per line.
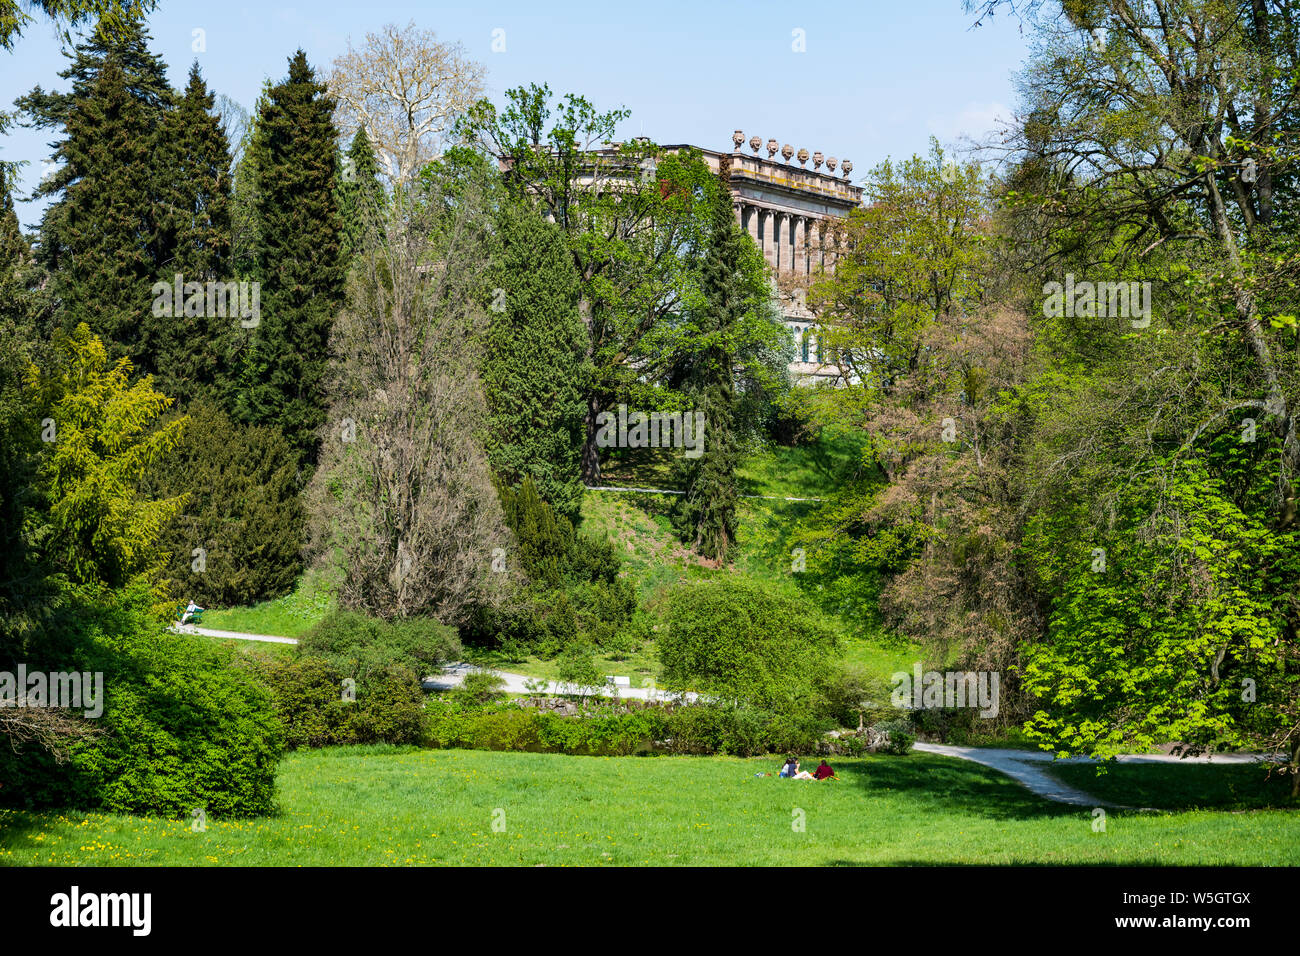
(361,647)
(607,731)
(578,669)
(180,730)
(98,529)
(1184,615)
(707,515)
(736,639)
(361,198)
(315,703)
(297,258)
(187,352)
(574,596)
(102,238)
(478,687)
(112,15)
(241,507)
(901,737)
(534,364)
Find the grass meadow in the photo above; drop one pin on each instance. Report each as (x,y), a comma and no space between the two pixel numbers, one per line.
(365,806)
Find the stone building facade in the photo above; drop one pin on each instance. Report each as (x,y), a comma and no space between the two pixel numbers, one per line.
(786,207)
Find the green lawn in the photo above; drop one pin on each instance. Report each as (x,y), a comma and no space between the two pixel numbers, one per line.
(379,805)
(288,616)
(1182,786)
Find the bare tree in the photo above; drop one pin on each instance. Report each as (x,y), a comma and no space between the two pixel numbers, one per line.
(407,89)
(403,498)
(52,729)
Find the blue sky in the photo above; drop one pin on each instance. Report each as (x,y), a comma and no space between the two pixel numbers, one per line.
(877,78)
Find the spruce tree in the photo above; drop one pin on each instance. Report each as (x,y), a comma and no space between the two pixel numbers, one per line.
(534,369)
(195,222)
(298,261)
(707,515)
(101,240)
(361,194)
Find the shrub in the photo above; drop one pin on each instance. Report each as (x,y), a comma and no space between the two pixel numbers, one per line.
(241,507)
(901,736)
(738,640)
(181,729)
(602,730)
(359,646)
(574,595)
(310,700)
(576,667)
(478,687)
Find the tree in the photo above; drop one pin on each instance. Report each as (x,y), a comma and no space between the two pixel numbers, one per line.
(238,540)
(361,194)
(100,439)
(298,261)
(195,199)
(403,497)
(406,89)
(534,364)
(708,511)
(635,220)
(69,13)
(101,239)
(734,639)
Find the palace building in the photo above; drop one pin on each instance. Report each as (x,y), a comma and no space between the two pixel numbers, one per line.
(786,209)
(786,206)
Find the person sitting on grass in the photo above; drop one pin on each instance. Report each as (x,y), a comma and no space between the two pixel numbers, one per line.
(791,770)
(823,772)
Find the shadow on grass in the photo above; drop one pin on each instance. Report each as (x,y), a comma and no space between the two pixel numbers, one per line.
(957,785)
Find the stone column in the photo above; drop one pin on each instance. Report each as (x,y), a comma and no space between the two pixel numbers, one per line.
(768,221)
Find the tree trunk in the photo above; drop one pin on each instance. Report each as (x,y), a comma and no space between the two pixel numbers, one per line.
(590,452)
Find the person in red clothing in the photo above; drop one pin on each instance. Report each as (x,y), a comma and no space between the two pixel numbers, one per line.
(823,771)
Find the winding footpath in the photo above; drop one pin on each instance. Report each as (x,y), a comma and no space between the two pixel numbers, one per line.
(1026,767)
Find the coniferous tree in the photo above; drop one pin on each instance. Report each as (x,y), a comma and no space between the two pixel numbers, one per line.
(534,369)
(707,515)
(195,223)
(361,194)
(101,241)
(298,261)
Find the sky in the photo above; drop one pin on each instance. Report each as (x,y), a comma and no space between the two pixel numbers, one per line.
(864,80)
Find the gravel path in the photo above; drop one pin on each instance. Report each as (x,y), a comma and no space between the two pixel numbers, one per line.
(1027,767)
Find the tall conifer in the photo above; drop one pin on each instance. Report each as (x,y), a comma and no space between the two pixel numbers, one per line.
(195,222)
(298,260)
(708,510)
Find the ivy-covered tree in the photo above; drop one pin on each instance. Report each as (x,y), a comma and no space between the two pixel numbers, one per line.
(534,367)
(297,259)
